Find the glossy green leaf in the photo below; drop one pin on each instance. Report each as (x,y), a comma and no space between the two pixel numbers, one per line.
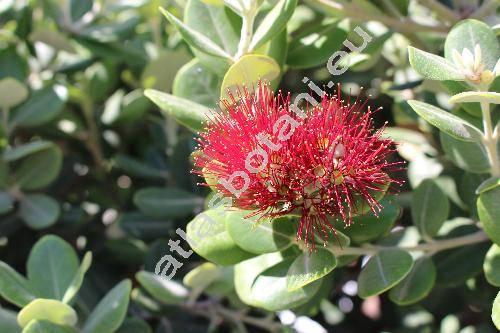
(42,326)
(220,25)
(8,321)
(447,122)
(166,202)
(14,287)
(491,265)
(489,213)
(51,266)
(198,84)
(309,267)
(196,39)
(273,23)
(429,207)
(488,184)
(262,236)
(42,106)
(190,114)
(207,236)
(383,271)
(417,284)
(468,33)
(6,202)
(77,281)
(315,47)
(495,311)
(247,72)
(134,325)
(12,92)
(47,309)
(476,97)
(269,290)
(162,289)
(136,167)
(108,315)
(39,211)
(213,279)
(48,164)
(433,67)
(368,227)
(469,156)
(13,154)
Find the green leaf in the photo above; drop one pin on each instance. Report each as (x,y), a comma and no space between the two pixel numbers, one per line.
(491,265)
(190,114)
(13,154)
(47,309)
(309,267)
(446,122)
(39,169)
(488,184)
(53,38)
(6,202)
(429,207)
(207,236)
(260,236)
(269,290)
(14,287)
(495,311)
(39,211)
(247,271)
(456,266)
(368,227)
(134,325)
(417,284)
(273,23)
(12,92)
(489,213)
(108,315)
(42,106)
(51,266)
(198,84)
(383,271)
(212,279)
(468,33)
(43,326)
(166,202)
(162,289)
(315,47)
(77,281)
(247,72)
(476,97)
(457,87)
(433,67)
(469,156)
(159,72)
(78,8)
(194,38)
(136,167)
(8,321)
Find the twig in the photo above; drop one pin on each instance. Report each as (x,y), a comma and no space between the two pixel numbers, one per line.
(488,7)
(441,10)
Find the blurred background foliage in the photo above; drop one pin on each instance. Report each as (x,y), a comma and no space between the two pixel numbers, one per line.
(88,157)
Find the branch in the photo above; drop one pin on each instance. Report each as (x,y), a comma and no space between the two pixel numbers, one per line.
(436,246)
(441,10)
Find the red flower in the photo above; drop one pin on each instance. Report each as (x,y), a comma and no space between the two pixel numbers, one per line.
(327,162)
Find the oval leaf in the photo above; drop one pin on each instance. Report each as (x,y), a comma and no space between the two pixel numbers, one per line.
(52,264)
(108,315)
(166,202)
(447,122)
(260,236)
(162,289)
(47,309)
(309,267)
(12,92)
(14,287)
(208,237)
(383,271)
(433,67)
(417,284)
(190,114)
(491,265)
(39,211)
(247,72)
(429,207)
(489,213)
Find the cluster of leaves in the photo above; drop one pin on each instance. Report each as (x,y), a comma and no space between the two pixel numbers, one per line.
(79,84)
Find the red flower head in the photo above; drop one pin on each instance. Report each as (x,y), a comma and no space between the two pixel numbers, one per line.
(275,159)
